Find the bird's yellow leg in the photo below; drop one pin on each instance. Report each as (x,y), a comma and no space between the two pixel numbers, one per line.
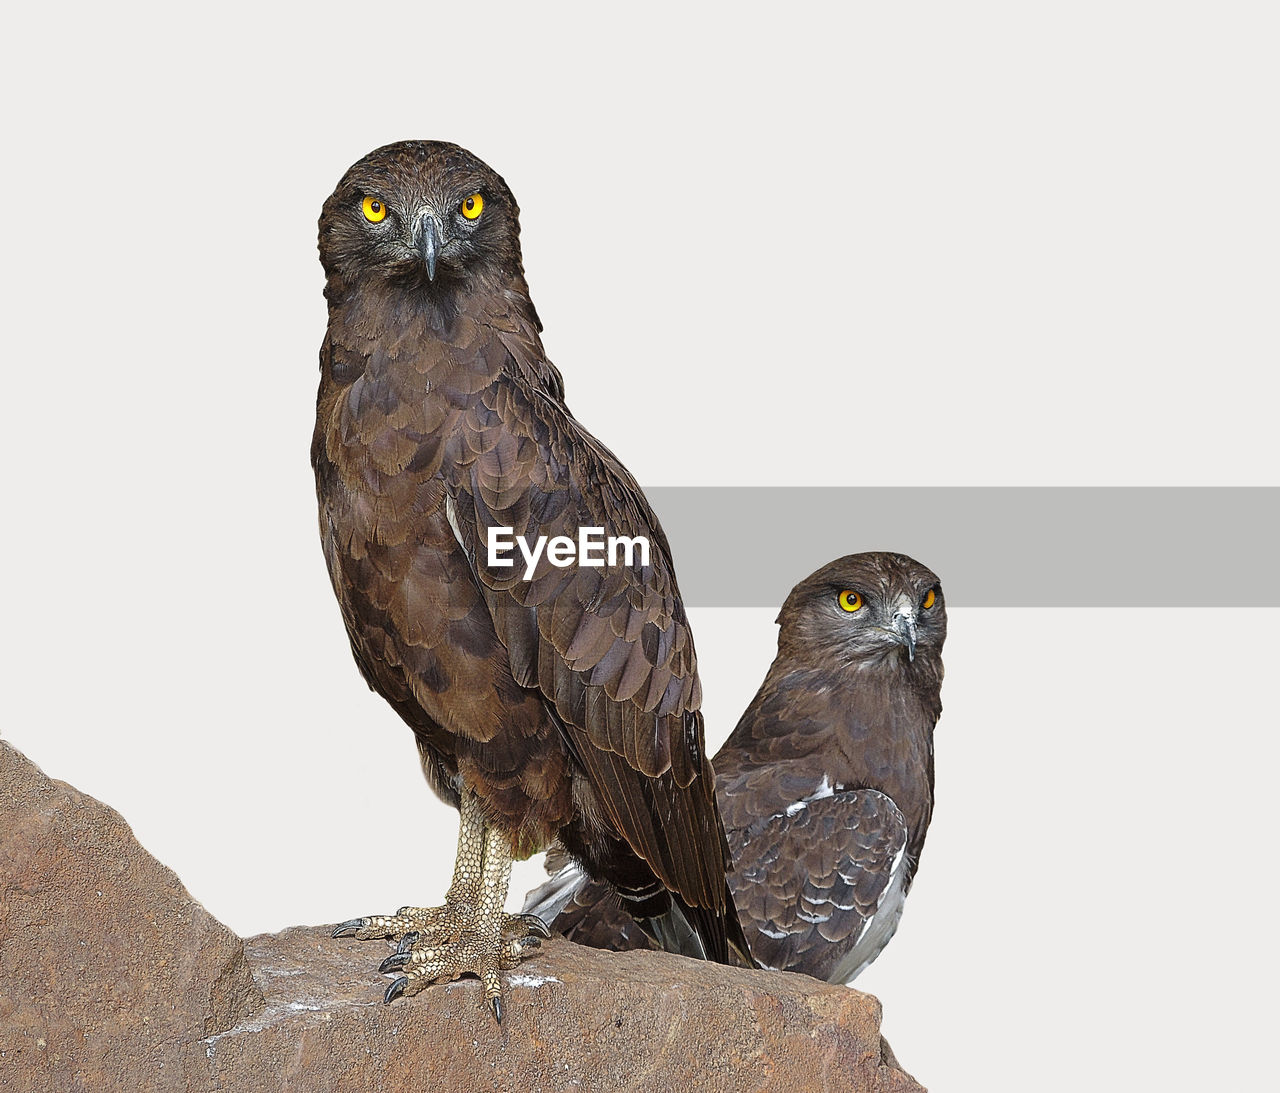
(463,897)
(470,932)
(480,947)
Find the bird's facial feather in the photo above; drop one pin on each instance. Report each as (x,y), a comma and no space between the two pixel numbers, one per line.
(864,608)
(426,215)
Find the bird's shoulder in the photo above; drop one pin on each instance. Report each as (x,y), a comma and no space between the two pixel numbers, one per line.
(816,713)
(792,724)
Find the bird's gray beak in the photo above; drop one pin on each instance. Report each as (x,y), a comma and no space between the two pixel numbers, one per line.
(428,240)
(904,625)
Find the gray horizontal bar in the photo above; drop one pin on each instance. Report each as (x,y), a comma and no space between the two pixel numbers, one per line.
(995,546)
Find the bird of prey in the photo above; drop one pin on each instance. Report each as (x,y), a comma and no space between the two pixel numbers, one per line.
(548,701)
(826,784)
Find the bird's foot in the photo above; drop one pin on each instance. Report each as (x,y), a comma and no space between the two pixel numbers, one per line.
(445,922)
(477,951)
(438,944)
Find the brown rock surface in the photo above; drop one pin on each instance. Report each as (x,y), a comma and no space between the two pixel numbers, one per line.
(113,978)
(577,1019)
(107,964)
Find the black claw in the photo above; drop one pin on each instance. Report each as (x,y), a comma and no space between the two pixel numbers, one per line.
(396,989)
(536,925)
(346,929)
(394,961)
(407,942)
(495,1004)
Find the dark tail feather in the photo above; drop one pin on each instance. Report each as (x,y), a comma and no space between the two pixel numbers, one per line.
(593,913)
(697,931)
(677,926)
(719,935)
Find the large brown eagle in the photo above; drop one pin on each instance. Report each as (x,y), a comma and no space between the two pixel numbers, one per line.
(826,784)
(549,701)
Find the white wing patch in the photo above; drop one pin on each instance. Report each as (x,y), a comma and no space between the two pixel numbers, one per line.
(878,929)
(451,513)
(824,789)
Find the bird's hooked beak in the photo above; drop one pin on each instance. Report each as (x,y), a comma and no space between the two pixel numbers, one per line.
(904,625)
(427,240)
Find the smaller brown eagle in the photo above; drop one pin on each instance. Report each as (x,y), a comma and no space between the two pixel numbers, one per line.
(826,784)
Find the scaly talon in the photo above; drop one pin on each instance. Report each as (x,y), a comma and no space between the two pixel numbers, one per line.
(470,934)
(348,928)
(394,961)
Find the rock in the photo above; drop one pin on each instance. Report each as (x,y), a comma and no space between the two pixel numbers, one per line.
(113,978)
(107,965)
(577,1019)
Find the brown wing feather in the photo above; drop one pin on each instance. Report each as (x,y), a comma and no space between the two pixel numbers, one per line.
(808,880)
(610,647)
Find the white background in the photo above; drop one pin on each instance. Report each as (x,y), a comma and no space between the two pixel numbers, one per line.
(928,245)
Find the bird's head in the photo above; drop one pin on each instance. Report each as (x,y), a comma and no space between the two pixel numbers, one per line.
(866,608)
(427,215)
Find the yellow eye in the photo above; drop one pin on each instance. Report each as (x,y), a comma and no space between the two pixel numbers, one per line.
(374,210)
(850,601)
(473,206)
(928,600)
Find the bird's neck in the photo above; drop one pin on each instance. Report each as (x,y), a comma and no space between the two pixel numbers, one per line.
(417,336)
(394,312)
